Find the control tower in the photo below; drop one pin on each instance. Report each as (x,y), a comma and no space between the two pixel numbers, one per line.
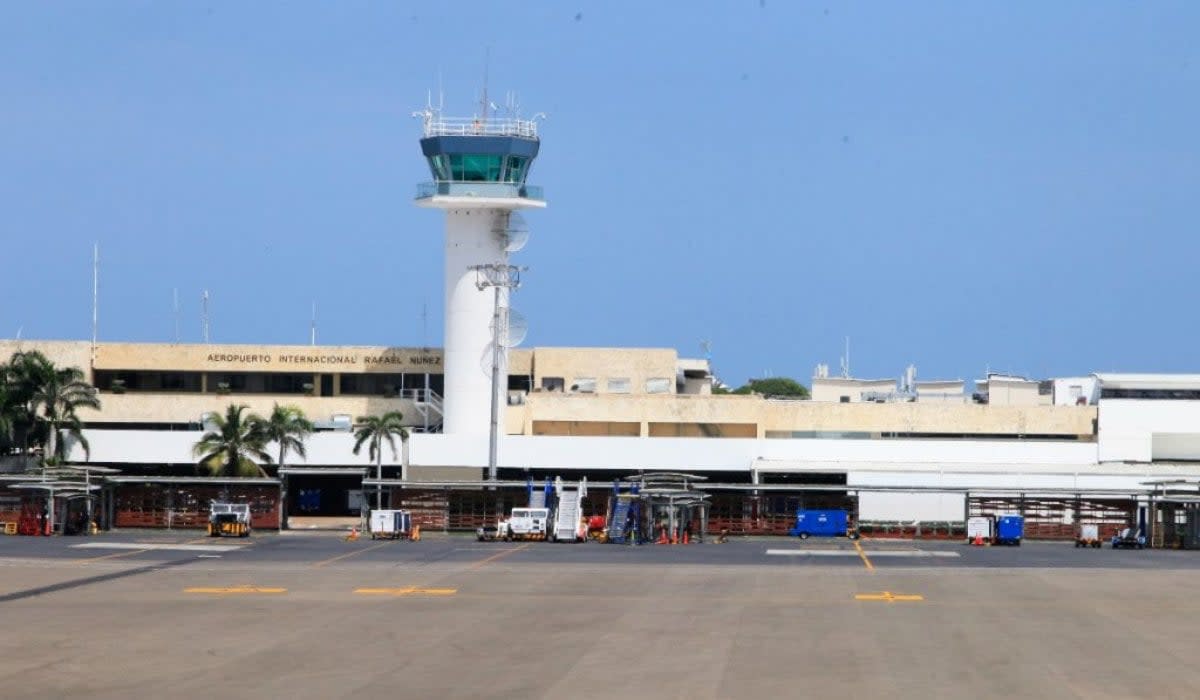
(479,167)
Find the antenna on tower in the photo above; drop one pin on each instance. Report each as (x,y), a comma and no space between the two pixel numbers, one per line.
(511,229)
(484,104)
(95,298)
(204,315)
(846,360)
(313,329)
(424,324)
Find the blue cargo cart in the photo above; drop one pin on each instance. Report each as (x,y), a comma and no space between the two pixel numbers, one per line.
(822,523)
(1010,529)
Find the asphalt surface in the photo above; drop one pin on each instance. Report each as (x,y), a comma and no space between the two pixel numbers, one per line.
(313,616)
(313,547)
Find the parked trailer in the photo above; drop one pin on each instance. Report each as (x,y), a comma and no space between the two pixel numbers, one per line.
(1010,530)
(981,528)
(390,524)
(229,520)
(822,523)
(1088,536)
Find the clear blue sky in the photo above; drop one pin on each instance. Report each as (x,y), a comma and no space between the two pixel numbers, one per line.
(957,185)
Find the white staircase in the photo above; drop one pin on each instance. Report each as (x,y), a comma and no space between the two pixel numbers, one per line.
(429,405)
(570,508)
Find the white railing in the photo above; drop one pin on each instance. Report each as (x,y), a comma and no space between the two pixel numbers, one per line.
(425,190)
(441,126)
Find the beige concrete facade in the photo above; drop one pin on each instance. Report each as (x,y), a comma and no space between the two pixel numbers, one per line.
(188,408)
(1014,391)
(265,358)
(604,412)
(782,416)
(606,369)
(850,390)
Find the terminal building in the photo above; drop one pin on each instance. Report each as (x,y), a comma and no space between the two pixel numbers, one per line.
(894,451)
(608,413)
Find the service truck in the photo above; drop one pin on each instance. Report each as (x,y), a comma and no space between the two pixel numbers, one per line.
(229,520)
(522,524)
(1129,538)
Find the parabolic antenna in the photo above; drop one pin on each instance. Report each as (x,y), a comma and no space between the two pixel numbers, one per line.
(513,328)
(513,232)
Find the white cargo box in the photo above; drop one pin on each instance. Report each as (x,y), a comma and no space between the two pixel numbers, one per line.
(389,523)
(1090,533)
(980,526)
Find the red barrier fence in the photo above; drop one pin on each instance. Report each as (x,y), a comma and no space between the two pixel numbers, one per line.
(174,506)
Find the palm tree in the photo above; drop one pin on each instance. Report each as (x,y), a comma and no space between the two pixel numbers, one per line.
(24,373)
(235,446)
(40,400)
(287,427)
(57,397)
(374,430)
(7,412)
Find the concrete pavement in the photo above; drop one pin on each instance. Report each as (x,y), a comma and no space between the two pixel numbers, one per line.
(315,617)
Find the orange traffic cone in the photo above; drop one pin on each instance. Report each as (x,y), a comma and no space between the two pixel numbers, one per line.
(978,541)
(686,539)
(416,533)
(662,536)
(353,534)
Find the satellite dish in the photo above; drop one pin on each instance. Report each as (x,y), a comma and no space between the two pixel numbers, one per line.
(513,328)
(513,232)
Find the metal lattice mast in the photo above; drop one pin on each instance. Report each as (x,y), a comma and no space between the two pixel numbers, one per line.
(496,276)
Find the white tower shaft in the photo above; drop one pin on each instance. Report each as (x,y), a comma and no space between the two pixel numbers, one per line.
(470,241)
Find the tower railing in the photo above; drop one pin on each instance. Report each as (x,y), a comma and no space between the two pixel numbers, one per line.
(446,188)
(520,128)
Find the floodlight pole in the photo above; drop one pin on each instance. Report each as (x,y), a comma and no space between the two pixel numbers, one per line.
(87,499)
(497,276)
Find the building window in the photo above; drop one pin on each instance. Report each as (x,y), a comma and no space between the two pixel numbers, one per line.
(553,384)
(1152,394)
(387,385)
(135,381)
(584,385)
(658,385)
(515,169)
(260,382)
(467,167)
(619,385)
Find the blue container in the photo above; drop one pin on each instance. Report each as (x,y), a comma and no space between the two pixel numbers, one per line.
(820,523)
(1010,529)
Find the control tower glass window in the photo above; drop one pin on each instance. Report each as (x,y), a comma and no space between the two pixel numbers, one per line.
(515,170)
(456,167)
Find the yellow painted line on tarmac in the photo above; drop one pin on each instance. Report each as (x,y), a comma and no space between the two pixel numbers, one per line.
(863,555)
(234,590)
(498,555)
(347,555)
(889,597)
(117,555)
(406,591)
